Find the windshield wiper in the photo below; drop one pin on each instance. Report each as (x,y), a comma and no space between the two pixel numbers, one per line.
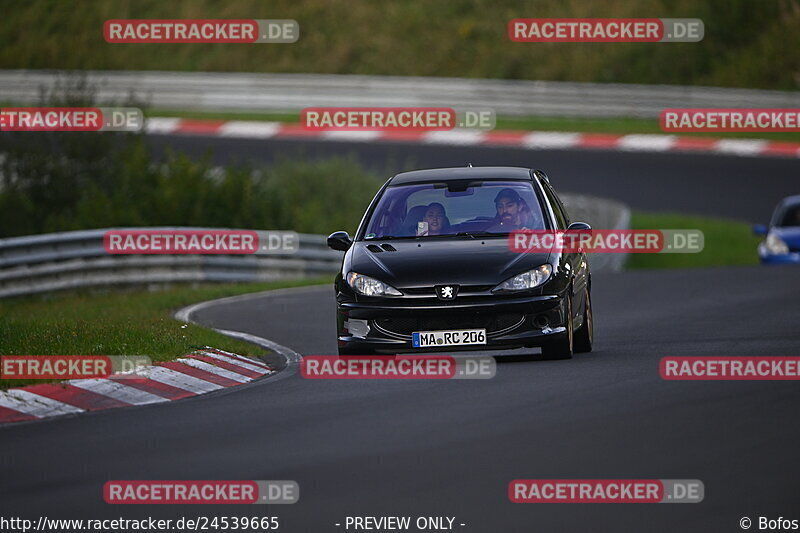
(390,238)
(474,234)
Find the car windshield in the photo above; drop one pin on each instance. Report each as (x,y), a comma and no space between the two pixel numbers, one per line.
(790,216)
(465,209)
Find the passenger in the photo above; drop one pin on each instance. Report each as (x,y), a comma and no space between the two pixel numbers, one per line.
(436,220)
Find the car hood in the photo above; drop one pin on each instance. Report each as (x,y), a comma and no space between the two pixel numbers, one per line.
(790,235)
(427,262)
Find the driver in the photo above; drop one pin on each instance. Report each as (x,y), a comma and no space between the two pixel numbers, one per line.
(512,212)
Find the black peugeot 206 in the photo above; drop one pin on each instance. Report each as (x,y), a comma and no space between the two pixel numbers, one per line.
(430,268)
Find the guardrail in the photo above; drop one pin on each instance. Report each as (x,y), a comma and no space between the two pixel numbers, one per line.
(218,91)
(77,259)
(600,213)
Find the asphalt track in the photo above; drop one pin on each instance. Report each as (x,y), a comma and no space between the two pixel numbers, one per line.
(450,448)
(746,188)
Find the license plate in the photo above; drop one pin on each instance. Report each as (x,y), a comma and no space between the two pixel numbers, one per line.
(456,337)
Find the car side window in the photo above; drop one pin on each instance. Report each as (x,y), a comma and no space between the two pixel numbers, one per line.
(563,208)
(558,209)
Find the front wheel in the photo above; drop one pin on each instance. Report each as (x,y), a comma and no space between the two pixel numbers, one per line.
(563,347)
(585,335)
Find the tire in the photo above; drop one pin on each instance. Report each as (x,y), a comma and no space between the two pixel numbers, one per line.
(563,347)
(585,335)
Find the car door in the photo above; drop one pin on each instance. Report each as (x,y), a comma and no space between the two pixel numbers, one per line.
(577,263)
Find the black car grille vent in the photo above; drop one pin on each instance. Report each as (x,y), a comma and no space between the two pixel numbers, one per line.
(491,323)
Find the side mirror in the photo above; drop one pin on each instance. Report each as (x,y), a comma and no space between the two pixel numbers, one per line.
(579,226)
(759,229)
(340,240)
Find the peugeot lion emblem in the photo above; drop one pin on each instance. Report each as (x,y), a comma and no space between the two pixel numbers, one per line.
(446,292)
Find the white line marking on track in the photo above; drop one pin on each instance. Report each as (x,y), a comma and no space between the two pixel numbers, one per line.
(161,125)
(254,130)
(649,143)
(550,139)
(202,365)
(292,358)
(740,146)
(34,404)
(234,361)
(454,137)
(243,359)
(179,380)
(345,135)
(117,391)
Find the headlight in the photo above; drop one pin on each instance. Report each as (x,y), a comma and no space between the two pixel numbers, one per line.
(526,280)
(775,244)
(370,286)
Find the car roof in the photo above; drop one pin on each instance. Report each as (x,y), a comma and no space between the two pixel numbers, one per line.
(461,173)
(790,201)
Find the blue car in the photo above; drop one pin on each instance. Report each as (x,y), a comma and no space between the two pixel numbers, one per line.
(782,243)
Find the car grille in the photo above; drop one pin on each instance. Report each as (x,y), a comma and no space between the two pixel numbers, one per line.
(463,289)
(493,324)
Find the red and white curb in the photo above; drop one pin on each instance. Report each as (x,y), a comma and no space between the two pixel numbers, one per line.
(199,372)
(543,140)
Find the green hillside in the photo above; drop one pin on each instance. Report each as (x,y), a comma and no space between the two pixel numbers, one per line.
(748,43)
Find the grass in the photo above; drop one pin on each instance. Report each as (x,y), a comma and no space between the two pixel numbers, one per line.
(747,43)
(118,323)
(140,322)
(726,242)
(622,126)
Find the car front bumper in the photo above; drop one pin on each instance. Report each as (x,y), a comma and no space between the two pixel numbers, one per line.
(780,259)
(386,326)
